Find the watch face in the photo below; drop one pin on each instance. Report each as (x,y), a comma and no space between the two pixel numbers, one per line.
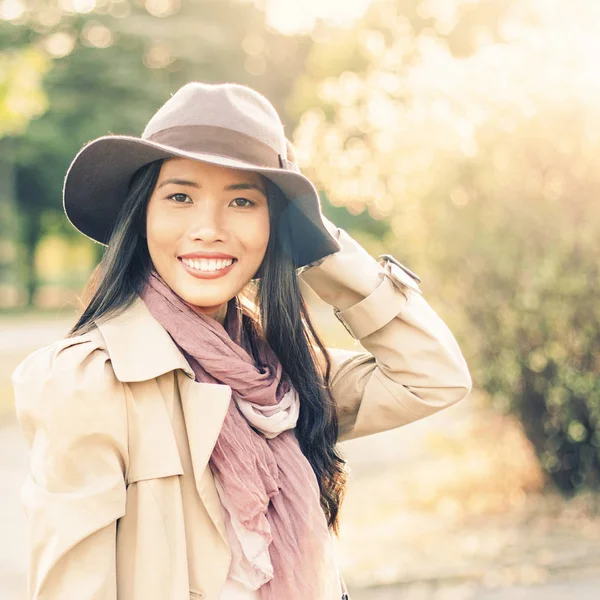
(400,274)
(390,258)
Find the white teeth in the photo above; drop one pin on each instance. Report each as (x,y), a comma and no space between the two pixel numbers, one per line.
(208,265)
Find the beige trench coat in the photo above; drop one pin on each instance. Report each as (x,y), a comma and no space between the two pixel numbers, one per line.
(120,500)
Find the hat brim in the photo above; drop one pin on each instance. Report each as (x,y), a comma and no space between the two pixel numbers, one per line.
(97,181)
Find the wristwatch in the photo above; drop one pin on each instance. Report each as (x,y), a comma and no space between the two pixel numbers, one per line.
(398,273)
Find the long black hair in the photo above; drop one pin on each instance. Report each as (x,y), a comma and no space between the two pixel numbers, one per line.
(281,318)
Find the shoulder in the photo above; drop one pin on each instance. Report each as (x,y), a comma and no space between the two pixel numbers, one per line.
(61,356)
(70,381)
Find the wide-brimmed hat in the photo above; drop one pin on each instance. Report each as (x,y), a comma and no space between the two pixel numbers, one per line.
(224,124)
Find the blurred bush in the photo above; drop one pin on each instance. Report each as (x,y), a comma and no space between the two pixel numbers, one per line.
(484,161)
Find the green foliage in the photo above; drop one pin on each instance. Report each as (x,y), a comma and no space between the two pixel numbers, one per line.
(109,74)
(484,164)
(21,93)
(518,235)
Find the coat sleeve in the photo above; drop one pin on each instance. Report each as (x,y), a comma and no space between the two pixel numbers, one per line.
(71,410)
(413,367)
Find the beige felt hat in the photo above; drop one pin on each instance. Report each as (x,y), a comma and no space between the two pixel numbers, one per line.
(225,124)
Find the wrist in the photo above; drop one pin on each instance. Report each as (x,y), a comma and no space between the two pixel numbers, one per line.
(346,277)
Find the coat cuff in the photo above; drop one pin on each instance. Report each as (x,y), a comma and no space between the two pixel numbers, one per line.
(364,296)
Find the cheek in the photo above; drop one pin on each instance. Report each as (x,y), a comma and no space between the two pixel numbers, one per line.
(161,232)
(256,237)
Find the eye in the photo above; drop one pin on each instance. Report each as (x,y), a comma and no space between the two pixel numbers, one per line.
(177,197)
(250,203)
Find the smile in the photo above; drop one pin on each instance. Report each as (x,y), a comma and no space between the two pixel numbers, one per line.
(207,268)
(207,265)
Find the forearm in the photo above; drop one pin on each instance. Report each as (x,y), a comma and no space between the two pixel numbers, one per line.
(416,362)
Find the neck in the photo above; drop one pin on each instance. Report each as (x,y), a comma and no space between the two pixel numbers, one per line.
(216,312)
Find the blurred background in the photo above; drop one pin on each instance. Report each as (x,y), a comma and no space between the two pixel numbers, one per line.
(462,137)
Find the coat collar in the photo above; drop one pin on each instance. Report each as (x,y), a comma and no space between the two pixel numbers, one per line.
(140,350)
(139,346)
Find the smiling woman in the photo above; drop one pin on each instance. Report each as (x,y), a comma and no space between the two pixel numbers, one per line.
(194,214)
(184,436)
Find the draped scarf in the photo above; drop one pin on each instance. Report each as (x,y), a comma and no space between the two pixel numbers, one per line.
(277,531)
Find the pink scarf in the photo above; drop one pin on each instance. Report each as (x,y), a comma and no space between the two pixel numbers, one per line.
(278,534)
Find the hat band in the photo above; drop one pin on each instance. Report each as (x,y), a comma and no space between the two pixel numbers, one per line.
(209,139)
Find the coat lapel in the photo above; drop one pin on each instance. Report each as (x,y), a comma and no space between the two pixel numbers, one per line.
(204,408)
(142,350)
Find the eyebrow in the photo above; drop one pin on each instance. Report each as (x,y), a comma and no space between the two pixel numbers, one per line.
(233,186)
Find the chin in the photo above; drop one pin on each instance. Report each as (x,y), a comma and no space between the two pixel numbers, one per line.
(204,301)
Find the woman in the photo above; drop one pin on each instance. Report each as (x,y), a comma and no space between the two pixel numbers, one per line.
(184,434)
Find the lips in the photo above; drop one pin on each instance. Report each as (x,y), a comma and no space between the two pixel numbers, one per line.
(208,274)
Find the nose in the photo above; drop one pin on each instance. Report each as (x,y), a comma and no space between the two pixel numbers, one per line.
(207,223)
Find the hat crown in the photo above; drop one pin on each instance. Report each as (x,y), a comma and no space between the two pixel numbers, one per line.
(228,105)
(225,124)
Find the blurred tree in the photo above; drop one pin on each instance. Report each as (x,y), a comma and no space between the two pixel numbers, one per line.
(21,99)
(474,136)
(114,63)
(21,93)
(83,88)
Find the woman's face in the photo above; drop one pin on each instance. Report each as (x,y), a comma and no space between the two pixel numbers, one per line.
(198,211)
